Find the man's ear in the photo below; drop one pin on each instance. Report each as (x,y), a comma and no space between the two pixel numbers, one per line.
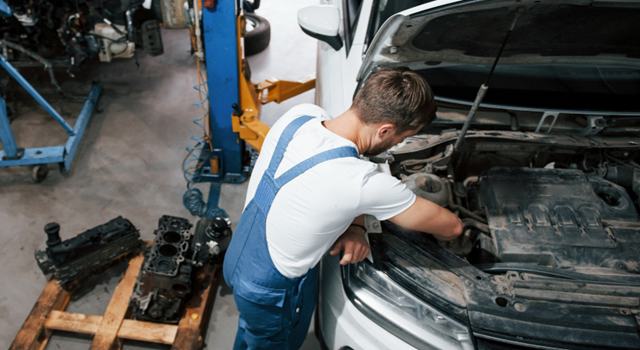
(386,130)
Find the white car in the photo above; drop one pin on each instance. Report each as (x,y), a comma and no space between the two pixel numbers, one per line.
(547,178)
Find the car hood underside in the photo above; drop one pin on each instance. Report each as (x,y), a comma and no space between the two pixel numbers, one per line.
(471,32)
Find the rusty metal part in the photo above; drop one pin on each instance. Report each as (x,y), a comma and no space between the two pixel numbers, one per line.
(165,282)
(89,251)
(165,279)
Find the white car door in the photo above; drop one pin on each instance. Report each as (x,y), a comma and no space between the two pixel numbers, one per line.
(337,69)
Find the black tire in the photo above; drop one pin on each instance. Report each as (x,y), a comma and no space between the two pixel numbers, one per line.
(250,6)
(257,38)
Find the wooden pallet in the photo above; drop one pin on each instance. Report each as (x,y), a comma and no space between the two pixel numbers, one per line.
(111,328)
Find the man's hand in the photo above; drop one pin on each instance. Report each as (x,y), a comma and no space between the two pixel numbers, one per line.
(353,244)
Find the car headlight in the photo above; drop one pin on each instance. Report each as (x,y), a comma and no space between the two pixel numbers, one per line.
(400,312)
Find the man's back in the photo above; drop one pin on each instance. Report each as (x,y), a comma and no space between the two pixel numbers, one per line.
(313,210)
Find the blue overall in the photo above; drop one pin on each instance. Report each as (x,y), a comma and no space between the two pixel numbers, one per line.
(275,311)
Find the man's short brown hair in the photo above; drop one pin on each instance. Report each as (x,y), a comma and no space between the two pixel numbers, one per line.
(398,96)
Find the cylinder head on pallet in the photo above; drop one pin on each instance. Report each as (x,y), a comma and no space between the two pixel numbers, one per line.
(95,249)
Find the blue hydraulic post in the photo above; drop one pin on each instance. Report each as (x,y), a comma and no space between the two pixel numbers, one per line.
(6,136)
(223,162)
(221,54)
(213,210)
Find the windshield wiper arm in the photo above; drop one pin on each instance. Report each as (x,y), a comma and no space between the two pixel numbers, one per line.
(551,272)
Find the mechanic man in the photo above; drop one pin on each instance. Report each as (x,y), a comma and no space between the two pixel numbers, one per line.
(307,187)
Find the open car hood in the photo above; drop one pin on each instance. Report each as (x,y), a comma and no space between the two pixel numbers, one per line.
(581,55)
(470,32)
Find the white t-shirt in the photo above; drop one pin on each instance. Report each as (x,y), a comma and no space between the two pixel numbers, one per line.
(311,212)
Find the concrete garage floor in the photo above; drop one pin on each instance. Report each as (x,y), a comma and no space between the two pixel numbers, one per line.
(130,165)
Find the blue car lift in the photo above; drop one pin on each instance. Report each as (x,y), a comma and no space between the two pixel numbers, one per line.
(234,106)
(220,160)
(39,157)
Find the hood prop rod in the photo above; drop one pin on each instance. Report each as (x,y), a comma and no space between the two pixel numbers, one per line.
(484,87)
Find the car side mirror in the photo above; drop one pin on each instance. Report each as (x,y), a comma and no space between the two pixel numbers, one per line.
(321,22)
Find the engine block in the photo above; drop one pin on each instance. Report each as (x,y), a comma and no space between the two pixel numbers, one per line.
(165,278)
(165,281)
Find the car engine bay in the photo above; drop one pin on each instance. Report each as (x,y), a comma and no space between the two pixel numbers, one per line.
(551,239)
(557,209)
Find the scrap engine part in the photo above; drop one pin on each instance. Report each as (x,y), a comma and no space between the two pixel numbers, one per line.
(89,251)
(165,281)
(211,238)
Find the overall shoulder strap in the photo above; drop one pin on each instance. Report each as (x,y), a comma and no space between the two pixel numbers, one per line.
(295,171)
(283,142)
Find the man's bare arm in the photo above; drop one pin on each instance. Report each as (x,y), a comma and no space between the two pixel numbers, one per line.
(429,217)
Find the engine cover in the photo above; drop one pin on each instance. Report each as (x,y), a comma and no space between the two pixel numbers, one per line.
(560,218)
